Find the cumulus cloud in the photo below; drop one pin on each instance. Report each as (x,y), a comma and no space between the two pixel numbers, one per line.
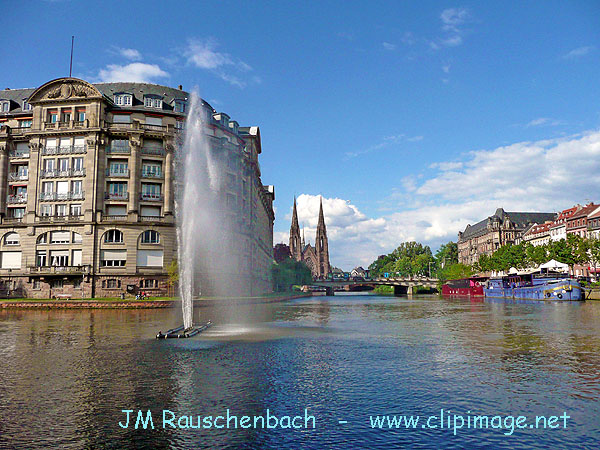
(453,22)
(203,54)
(547,175)
(579,52)
(134,72)
(130,53)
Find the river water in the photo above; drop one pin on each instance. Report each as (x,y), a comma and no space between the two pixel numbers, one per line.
(65,376)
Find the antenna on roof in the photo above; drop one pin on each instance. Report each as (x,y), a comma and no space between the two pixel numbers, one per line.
(71,64)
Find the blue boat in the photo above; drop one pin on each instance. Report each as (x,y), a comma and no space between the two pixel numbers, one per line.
(530,287)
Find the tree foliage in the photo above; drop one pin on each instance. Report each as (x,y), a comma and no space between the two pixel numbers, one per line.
(288,273)
(409,259)
(281,252)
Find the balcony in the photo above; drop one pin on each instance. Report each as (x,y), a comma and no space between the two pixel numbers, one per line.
(157,174)
(151,197)
(17,198)
(62,173)
(118,150)
(64,150)
(15,176)
(114,218)
(12,220)
(151,218)
(59,269)
(149,127)
(155,151)
(119,126)
(117,172)
(116,195)
(18,154)
(59,218)
(63,196)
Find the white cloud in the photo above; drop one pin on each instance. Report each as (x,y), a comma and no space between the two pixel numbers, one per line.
(388,46)
(547,176)
(130,53)
(446,68)
(203,54)
(543,121)
(134,72)
(579,52)
(452,18)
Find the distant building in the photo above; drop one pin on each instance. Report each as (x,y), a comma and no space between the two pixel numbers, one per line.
(359,272)
(578,223)
(558,229)
(594,225)
(316,258)
(536,234)
(486,236)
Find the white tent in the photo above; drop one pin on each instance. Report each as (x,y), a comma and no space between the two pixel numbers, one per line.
(555,265)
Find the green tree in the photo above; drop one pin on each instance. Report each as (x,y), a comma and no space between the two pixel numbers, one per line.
(594,251)
(173,272)
(289,273)
(447,255)
(454,272)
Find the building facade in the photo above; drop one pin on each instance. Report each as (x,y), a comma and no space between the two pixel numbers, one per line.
(316,258)
(577,223)
(87,187)
(486,236)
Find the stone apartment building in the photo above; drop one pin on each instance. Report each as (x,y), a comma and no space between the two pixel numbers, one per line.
(486,236)
(87,187)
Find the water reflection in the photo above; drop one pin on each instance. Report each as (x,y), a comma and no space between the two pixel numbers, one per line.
(66,375)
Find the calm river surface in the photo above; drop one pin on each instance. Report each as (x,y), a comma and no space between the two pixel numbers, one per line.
(66,375)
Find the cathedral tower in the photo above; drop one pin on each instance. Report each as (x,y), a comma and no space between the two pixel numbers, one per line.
(321,244)
(295,242)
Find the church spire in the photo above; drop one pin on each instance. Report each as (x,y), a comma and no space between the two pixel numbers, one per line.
(321,223)
(322,245)
(295,249)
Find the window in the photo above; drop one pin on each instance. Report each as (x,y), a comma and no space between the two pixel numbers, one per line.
(57,284)
(27,106)
(77,283)
(118,189)
(59,258)
(49,165)
(40,258)
(66,116)
(5,106)
(80,115)
(121,118)
(113,258)
(180,125)
(42,238)
(118,168)
(76,187)
(180,106)
(25,123)
(151,169)
(111,284)
(77,238)
(123,99)
(75,210)
(36,284)
(151,190)
(150,237)
(11,239)
(52,116)
(151,102)
(46,210)
(148,284)
(61,210)
(77,164)
(113,237)
(60,237)
(17,213)
(63,164)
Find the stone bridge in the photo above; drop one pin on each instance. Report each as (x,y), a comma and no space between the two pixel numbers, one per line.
(401,285)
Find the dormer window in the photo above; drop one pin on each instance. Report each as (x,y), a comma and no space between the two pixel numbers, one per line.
(5,105)
(180,106)
(123,99)
(27,106)
(153,102)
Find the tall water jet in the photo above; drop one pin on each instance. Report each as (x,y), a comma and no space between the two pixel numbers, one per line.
(201,232)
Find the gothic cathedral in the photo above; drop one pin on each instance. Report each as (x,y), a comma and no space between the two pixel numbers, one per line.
(316,258)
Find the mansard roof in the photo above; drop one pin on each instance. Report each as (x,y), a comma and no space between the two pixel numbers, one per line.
(519,219)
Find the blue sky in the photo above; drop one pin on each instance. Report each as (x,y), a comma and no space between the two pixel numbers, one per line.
(411,119)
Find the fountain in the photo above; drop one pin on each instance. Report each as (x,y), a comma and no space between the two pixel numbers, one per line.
(202,236)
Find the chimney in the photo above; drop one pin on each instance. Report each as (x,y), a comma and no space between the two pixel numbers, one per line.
(180,87)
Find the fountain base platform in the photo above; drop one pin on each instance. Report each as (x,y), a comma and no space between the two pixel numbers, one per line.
(181,333)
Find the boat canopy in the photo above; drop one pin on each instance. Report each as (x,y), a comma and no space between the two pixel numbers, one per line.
(555,265)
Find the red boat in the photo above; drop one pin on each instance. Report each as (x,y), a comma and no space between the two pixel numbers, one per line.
(465,287)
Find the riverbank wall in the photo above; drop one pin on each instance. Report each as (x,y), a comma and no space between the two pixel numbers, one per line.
(141,304)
